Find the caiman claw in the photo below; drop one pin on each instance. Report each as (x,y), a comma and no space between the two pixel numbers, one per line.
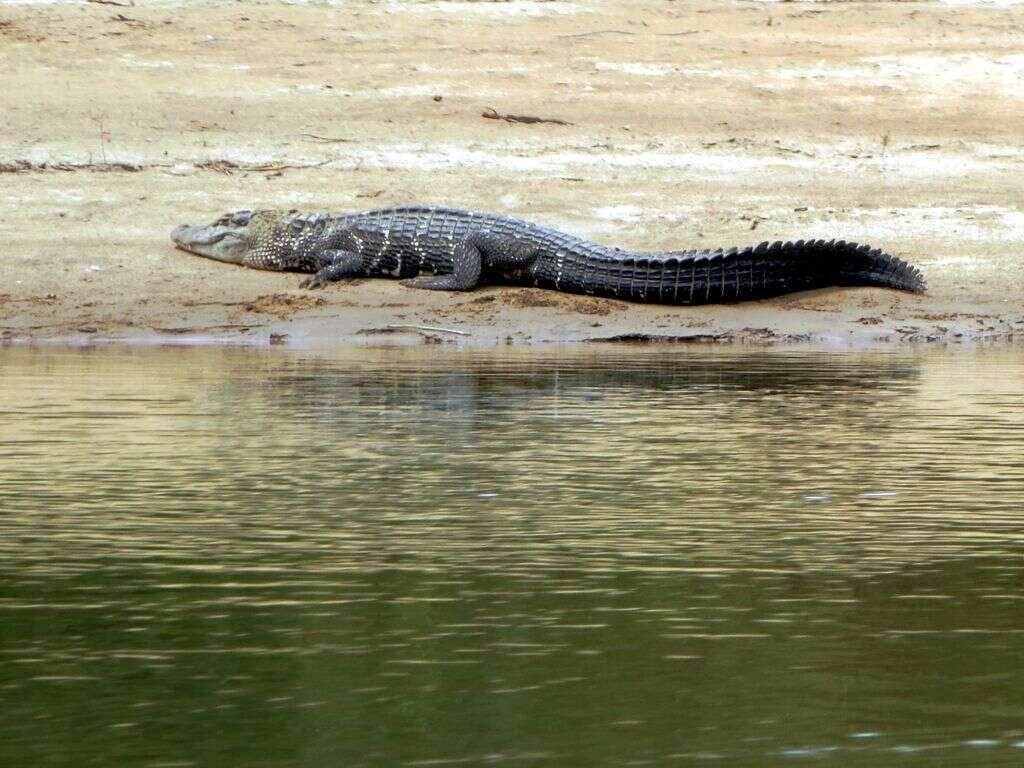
(313,282)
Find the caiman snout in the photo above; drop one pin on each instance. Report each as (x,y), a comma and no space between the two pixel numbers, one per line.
(223,243)
(187,235)
(183,234)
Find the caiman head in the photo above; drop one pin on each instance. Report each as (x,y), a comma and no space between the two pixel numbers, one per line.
(261,239)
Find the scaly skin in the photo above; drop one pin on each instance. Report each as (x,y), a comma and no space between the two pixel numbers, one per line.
(449,249)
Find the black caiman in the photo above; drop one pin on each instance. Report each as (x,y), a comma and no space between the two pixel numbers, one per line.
(455,250)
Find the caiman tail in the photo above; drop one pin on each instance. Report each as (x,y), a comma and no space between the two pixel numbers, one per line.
(737,274)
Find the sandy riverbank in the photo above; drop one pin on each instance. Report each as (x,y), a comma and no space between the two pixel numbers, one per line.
(691,125)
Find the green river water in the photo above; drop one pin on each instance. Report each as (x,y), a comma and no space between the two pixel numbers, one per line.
(599,557)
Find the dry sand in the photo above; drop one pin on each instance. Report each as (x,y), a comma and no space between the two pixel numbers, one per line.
(693,124)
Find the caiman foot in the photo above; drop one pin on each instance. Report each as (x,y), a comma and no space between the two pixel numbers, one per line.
(341,264)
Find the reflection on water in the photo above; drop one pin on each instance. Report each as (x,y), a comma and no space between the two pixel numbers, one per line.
(633,557)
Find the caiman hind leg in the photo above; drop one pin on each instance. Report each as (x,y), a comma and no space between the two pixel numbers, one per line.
(339,264)
(474,255)
(467,265)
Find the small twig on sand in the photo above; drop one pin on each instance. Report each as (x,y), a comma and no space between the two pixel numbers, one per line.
(283,166)
(597,32)
(103,133)
(227,166)
(493,114)
(430,328)
(326,139)
(111,2)
(624,32)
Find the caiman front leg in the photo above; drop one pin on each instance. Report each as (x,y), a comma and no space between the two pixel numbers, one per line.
(474,254)
(339,264)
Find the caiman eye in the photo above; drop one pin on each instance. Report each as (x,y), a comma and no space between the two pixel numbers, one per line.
(241,218)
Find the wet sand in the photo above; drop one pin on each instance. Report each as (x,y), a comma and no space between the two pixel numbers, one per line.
(690,125)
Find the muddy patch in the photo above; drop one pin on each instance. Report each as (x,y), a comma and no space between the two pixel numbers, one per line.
(524,298)
(283,305)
